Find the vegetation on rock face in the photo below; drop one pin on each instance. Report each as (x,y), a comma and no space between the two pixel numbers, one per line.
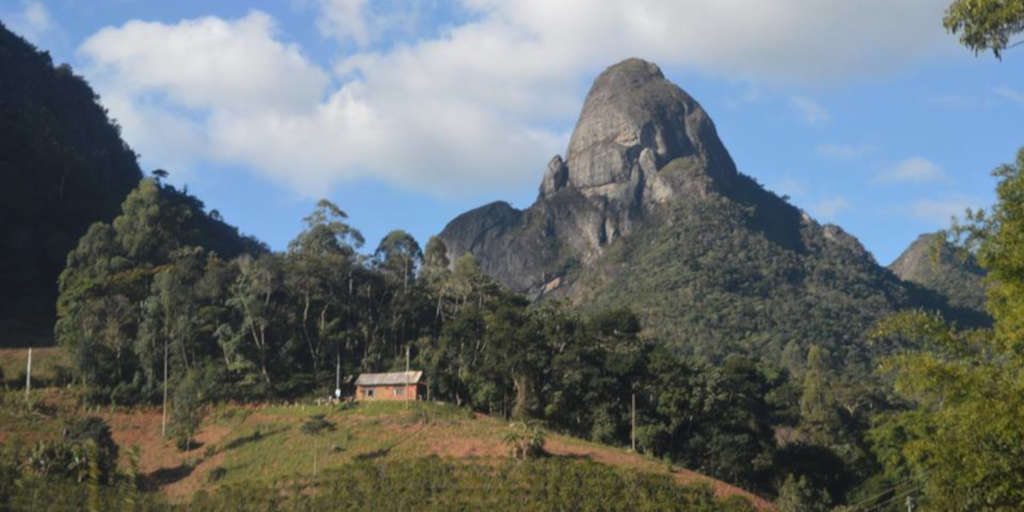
(64,167)
(716,276)
(933,263)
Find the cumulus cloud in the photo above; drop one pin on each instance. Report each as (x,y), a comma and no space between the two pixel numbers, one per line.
(208,63)
(344,19)
(913,170)
(474,106)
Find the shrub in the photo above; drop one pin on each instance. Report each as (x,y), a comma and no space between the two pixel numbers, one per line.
(316,424)
(216,474)
(524,440)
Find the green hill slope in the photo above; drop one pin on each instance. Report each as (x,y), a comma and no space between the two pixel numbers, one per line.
(423,455)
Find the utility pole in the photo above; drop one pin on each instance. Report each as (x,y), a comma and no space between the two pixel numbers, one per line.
(407,346)
(911,503)
(28,374)
(632,432)
(337,376)
(163,421)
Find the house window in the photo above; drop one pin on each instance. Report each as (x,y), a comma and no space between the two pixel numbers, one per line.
(399,391)
(369,393)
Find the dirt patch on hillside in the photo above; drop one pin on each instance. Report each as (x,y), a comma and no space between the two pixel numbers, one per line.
(162,466)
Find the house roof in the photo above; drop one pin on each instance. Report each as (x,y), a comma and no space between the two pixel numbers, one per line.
(388,379)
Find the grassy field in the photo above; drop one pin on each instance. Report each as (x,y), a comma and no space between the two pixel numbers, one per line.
(47,364)
(264,445)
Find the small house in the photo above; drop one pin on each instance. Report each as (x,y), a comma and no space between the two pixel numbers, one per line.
(388,386)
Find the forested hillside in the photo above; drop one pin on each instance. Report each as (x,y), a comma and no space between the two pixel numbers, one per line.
(64,167)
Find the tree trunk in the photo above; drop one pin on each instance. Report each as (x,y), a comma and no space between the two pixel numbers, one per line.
(526,405)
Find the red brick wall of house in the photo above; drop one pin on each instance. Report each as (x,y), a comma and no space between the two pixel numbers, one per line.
(387,393)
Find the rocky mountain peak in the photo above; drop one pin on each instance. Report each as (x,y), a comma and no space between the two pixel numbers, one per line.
(930,261)
(640,142)
(634,122)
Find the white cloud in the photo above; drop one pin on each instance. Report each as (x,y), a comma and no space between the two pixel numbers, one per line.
(476,106)
(37,17)
(913,170)
(827,209)
(812,112)
(208,63)
(1010,94)
(31,21)
(344,19)
(940,211)
(845,151)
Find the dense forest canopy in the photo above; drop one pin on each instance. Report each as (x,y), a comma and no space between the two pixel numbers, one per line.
(64,166)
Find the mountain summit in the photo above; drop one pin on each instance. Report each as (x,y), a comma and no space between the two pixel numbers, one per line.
(633,125)
(649,211)
(930,261)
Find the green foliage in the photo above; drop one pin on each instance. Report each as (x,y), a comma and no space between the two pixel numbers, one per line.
(961,441)
(819,413)
(86,450)
(434,484)
(524,440)
(135,287)
(744,272)
(797,495)
(985,24)
(187,402)
(716,420)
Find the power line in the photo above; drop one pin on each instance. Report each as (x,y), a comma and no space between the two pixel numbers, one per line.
(864,502)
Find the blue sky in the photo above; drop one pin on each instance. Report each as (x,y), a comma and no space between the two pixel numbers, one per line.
(867,114)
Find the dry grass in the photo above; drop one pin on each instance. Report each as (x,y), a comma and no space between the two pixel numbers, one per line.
(45,364)
(266,443)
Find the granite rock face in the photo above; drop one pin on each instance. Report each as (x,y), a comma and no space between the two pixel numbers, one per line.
(634,122)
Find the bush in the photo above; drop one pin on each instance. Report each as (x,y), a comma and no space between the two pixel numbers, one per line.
(216,474)
(96,430)
(525,440)
(316,424)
